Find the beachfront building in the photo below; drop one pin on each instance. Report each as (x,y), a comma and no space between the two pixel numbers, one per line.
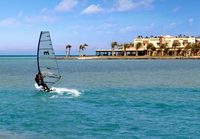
(154,46)
(168,40)
(165,44)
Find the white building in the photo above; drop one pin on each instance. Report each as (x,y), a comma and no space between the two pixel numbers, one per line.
(157,41)
(169,40)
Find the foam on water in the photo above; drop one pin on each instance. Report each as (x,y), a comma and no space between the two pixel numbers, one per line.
(62,92)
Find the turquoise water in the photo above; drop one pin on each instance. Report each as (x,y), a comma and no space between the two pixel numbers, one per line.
(102,99)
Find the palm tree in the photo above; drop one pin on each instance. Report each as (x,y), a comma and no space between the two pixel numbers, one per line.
(179,51)
(153,48)
(149,48)
(198,45)
(187,49)
(166,51)
(195,48)
(113,45)
(175,44)
(126,45)
(138,46)
(82,47)
(68,47)
(162,48)
(131,44)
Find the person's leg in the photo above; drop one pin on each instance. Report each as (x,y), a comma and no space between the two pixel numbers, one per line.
(46,88)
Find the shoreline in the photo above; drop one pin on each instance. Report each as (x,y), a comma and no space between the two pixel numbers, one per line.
(127,57)
(93,57)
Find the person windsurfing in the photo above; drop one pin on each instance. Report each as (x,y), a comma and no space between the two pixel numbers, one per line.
(40,82)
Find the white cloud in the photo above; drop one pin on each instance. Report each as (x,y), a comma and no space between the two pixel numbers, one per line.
(75,27)
(44,15)
(92,9)
(29,25)
(9,22)
(127,5)
(46,18)
(191,20)
(20,14)
(44,10)
(66,5)
(173,25)
(40,18)
(107,26)
(104,32)
(176,9)
(127,29)
(136,28)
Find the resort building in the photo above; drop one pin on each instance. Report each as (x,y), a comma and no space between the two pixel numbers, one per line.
(168,40)
(153,45)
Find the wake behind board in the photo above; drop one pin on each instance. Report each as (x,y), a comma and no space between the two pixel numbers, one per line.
(46,61)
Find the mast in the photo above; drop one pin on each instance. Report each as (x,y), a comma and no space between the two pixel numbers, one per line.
(38,62)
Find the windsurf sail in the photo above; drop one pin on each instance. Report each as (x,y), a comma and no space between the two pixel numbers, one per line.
(46,60)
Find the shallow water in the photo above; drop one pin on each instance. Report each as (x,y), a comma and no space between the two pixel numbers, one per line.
(102,99)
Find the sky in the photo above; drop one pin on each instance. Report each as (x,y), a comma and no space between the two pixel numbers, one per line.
(95,22)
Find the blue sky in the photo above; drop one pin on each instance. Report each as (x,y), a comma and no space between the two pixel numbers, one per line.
(95,22)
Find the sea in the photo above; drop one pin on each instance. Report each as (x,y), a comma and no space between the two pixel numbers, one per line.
(101,99)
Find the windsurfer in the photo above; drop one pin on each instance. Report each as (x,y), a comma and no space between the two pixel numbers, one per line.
(40,82)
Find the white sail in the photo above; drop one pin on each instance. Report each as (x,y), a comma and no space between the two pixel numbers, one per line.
(46,60)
